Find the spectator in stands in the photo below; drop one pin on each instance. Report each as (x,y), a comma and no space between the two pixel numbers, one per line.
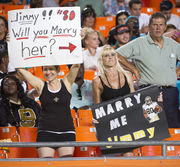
(88,19)
(173,31)
(155,57)
(121,17)
(122,35)
(177,2)
(16,109)
(6,1)
(36,3)
(166,8)
(4,61)
(50,3)
(82,93)
(55,123)
(3,33)
(96,5)
(133,24)
(92,50)
(3,36)
(111,7)
(4,69)
(113,81)
(67,3)
(135,10)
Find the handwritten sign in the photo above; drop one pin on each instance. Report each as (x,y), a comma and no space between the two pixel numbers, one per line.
(44,36)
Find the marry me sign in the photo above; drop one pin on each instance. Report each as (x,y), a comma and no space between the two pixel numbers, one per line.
(137,116)
(44,36)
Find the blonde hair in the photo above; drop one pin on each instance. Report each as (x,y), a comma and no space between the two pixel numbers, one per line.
(86,31)
(107,49)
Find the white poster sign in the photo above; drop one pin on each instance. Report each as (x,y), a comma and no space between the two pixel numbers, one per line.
(44,36)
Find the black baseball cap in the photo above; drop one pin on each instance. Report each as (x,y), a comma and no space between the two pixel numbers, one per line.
(121,29)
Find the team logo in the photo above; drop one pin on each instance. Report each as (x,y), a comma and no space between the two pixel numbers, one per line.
(151,109)
(56,99)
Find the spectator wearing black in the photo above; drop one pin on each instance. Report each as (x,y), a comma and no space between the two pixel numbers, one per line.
(16,109)
(133,24)
(121,17)
(3,33)
(122,35)
(36,3)
(4,61)
(88,19)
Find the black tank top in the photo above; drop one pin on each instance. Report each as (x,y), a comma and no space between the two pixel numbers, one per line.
(55,115)
(109,93)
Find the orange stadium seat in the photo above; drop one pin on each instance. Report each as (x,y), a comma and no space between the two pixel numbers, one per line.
(175,135)
(27,134)
(149,10)
(8,7)
(5,15)
(85,117)
(8,134)
(86,134)
(75,118)
(89,75)
(104,24)
(171,150)
(176,11)
(1,9)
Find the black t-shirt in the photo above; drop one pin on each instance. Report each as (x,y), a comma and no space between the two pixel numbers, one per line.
(26,115)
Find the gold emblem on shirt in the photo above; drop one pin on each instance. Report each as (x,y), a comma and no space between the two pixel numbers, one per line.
(56,99)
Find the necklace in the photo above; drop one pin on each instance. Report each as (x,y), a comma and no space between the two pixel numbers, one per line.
(109,82)
(12,114)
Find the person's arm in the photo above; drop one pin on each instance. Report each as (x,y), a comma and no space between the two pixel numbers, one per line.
(34,81)
(101,37)
(130,82)
(71,76)
(178,72)
(128,65)
(146,115)
(97,90)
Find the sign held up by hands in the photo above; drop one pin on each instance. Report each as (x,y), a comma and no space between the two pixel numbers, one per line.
(44,36)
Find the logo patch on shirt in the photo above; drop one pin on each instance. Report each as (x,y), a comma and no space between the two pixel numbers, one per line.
(56,99)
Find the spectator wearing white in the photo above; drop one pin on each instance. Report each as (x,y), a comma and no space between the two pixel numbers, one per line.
(166,7)
(135,7)
(92,50)
(111,7)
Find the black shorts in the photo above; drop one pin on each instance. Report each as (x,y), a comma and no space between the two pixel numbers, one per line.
(54,137)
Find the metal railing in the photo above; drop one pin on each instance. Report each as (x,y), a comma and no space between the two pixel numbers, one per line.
(164,145)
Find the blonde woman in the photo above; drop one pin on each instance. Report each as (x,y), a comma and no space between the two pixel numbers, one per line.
(113,81)
(92,50)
